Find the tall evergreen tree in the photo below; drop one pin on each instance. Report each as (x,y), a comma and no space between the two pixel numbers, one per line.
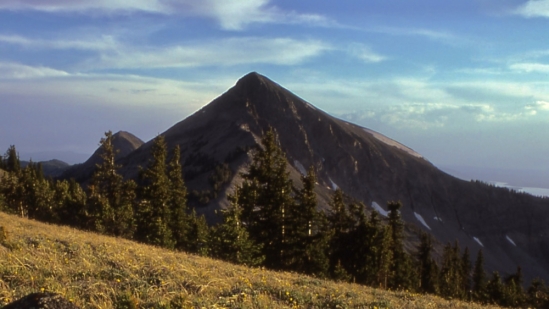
(39,194)
(401,272)
(111,199)
(199,235)
(71,202)
(12,163)
(340,223)
(479,279)
(450,272)
(307,246)
(179,223)
(266,201)
(427,267)
(466,268)
(495,289)
(230,240)
(155,219)
(381,255)
(514,293)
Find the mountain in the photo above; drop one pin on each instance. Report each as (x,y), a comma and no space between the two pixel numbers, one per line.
(511,228)
(51,168)
(123,142)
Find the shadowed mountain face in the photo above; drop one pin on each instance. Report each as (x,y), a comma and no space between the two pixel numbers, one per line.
(51,168)
(123,142)
(511,228)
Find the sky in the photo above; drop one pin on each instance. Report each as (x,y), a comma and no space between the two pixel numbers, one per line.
(465,83)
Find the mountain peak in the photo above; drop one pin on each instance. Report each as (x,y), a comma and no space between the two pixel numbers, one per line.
(255,82)
(252,78)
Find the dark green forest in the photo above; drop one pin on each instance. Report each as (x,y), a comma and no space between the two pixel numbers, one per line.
(270,223)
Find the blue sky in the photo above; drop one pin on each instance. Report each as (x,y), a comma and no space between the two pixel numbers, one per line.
(465,83)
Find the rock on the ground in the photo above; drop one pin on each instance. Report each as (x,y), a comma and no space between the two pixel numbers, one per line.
(45,300)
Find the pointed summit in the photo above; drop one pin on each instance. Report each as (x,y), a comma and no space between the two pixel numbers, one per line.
(123,143)
(255,81)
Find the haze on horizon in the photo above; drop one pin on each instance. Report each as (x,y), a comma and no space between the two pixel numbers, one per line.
(464,83)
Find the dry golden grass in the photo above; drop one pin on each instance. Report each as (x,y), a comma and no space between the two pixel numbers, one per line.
(95,271)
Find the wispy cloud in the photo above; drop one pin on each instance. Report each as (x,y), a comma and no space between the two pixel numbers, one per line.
(20,71)
(365,53)
(530,67)
(226,52)
(108,6)
(110,53)
(534,8)
(104,42)
(231,15)
(236,15)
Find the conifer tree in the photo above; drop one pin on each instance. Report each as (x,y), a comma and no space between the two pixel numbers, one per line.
(427,267)
(340,222)
(368,251)
(307,246)
(538,294)
(231,242)
(450,272)
(495,289)
(39,194)
(179,223)
(155,219)
(198,236)
(381,255)
(479,279)
(14,194)
(71,202)
(110,202)
(12,186)
(401,272)
(267,202)
(465,275)
(12,163)
(514,293)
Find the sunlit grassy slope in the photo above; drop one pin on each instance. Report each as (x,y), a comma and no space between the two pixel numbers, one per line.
(102,272)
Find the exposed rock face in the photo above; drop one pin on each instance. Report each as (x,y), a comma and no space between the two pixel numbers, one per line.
(511,228)
(41,301)
(123,142)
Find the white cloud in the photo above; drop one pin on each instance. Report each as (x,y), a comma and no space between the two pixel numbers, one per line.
(235,15)
(534,8)
(530,67)
(231,15)
(365,53)
(226,52)
(104,42)
(85,5)
(111,53)
(423,104)
(539,105)
(20,71)
(435,35)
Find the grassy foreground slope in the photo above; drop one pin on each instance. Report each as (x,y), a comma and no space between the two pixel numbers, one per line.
(95,271)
